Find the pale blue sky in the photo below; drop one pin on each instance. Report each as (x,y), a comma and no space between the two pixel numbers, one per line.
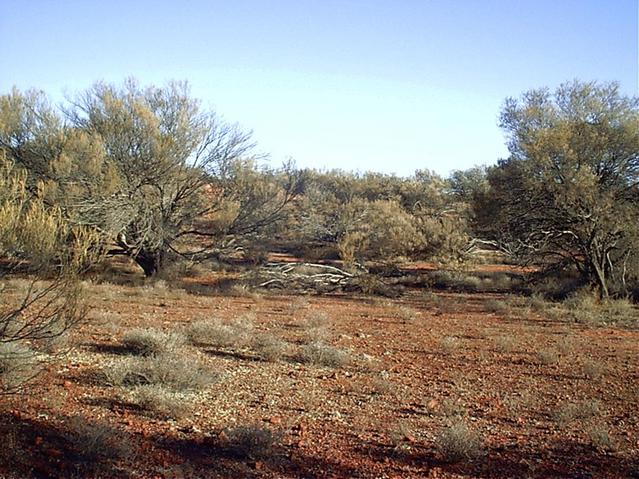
(389,86)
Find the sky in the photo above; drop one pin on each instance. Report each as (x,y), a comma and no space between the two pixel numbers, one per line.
(390,86)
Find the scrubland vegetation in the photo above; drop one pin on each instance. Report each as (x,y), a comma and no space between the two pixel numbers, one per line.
(172,307)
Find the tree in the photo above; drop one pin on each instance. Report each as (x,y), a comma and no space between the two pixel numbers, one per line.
(147,168)
(35,238)
(162,148)
(567,195)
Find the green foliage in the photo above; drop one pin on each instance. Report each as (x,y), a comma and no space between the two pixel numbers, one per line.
(382,217)
(36,238)
(567,196)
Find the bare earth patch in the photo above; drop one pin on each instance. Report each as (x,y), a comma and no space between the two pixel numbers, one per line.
(541,397)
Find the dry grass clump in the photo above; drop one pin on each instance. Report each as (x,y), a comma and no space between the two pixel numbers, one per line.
(18,365)
(160,401)
(599,435)
(322,354)
(94,442)
(505,344)
(585,308)
(449,343)
(585,410)
(592,369)
(217,334)
(150,341)
(548,356)
(497,306)
(178,373)
(458,443)
(270,348)
(406,314)
(252,441)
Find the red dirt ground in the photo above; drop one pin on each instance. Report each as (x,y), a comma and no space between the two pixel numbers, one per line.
(419,363)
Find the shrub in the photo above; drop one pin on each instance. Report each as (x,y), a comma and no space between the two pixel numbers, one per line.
(449,343)
(94,442)
(160,401)
(458,443)
(579,411)
(269,347)
(214,333)
(322,354)
(592,369)
(18,365)
(252,441)
(149,341)
(178,373)
(548,356)
(496,306)
(505,344)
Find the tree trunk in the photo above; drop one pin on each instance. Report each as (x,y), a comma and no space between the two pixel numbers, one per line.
(600,277)
(149,261)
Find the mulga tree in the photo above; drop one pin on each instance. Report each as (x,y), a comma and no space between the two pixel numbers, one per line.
(161,146)
(568,193)
(37,239)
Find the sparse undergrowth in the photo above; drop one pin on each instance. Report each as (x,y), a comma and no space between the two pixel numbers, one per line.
(458,443)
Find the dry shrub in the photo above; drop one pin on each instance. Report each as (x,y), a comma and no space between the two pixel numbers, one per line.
(458,443)
(581,411)
(592,369)
(599,435)
(252,441)
(548,356)
(160,401)
(322,354)
(177,373)
(150,341)
(497,306)
(95,442)
(270,348)
(505,344)
(449,343)
(18,365)
(217,334)
(585,308)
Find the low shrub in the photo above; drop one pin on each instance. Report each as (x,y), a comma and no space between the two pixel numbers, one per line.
(217,334)
(458,443)
(160,401)
(585,410)
(18,365)
(94,442)
(177,373)
(149,341)
(269,348)
(252,441)
(322,354)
